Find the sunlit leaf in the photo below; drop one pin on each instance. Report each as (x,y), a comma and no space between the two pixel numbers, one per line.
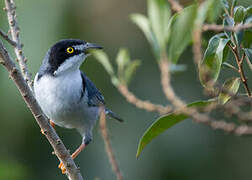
(202,13)
(228,65)
(131,69)
(159,14)
(143,23)
(230,87)
(247,39)
(225,4)
(181,32)
(239,37)
(208,9)
(168,29)
(214,10)
(248,53)
(122,60)
(165,122)
(210,67)
(226,52)
(234,2)
(248,11)
(174,68)
(239,14)
(104,60)
(228,21)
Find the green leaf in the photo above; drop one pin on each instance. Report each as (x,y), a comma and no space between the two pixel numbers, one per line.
(248,53)
(248,11)
(210,67)
(165,122)
(143,23)
(234,2)
(248,15)
(225,4)
(174,68)
(226,52)
(159,14)
(131,69)
(229,66)
(228,21)
(202,13)
(122,60)
(181,32)
(209,9)
(239,14)
(104,60)
(239,37)
(230,86)
(247,39)
(214,10)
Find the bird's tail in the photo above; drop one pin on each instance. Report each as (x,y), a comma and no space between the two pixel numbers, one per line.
(113,115)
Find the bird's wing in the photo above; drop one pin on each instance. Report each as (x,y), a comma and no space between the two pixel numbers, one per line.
(95,98)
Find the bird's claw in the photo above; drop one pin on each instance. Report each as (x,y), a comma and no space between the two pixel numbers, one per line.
(42,131)
(62,167)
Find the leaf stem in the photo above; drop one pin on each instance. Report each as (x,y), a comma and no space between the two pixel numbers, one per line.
(239,62)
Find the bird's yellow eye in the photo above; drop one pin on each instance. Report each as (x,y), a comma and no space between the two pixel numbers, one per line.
(70,50)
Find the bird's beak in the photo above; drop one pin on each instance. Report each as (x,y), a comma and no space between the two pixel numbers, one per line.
(88,47)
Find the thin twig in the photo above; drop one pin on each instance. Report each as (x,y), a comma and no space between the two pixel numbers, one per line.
(108,146)
(205,119)
(219,28)
(166,84)
(60,150)
(240,68)
(7,38)
(146,105)
(175,5)
(15,31)
(222,125)
(197,33)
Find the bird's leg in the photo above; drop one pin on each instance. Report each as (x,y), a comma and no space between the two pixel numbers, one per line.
(74,155)
(52,124)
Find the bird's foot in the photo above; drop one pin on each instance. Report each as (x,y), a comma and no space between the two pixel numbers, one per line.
(74,155)
(42,131)
(52,124)
(62,167)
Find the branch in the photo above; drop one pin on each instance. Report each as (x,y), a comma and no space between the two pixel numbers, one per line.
(108,147)
(175,5)
(146,105)
(60,150)
(222,125)
(218,28)
(197,34)
(166,84)
(15,30)
(228,127)
(240,67)
(7,38)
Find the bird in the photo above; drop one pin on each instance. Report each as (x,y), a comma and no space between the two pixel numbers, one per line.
(65,94)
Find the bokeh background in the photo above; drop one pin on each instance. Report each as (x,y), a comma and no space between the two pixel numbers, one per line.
(187,151)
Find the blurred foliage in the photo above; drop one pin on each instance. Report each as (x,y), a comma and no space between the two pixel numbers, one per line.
(165,122)
(25,153)
(168,41)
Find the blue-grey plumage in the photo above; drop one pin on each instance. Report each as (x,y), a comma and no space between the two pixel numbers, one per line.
(66,95)
(95,98)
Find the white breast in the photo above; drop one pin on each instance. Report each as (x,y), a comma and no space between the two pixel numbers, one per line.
(60,99)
